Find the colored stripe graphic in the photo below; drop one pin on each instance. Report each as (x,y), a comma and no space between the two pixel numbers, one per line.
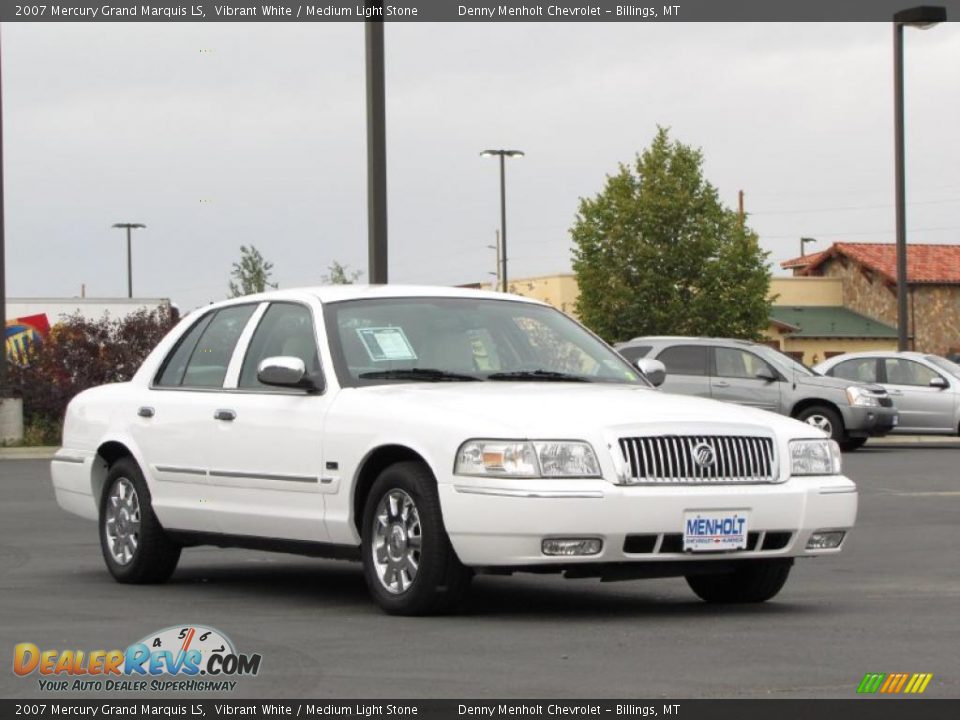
(894,683)
(871,682)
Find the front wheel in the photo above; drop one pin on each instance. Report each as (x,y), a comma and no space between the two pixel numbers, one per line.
(408,562)
(755,581)
(826,419)
(135,547)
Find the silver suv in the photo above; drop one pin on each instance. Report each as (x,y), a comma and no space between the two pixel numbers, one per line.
(753,374)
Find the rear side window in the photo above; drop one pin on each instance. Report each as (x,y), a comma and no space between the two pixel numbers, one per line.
(635,352)
(176,362)
(208,356)
(685,359)
(859,370)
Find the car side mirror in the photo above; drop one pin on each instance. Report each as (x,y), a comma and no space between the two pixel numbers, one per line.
(767,374)
(653,370)
(939,382)
(286,371)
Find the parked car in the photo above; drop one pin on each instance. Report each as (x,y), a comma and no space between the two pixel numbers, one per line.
(759,376)
(925,388)
(433,433)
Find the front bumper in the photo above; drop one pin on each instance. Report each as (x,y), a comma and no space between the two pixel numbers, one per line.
(869,421)
(502,523)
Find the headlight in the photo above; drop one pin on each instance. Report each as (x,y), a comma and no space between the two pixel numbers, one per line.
(814,457)
(527,459)
(859,396)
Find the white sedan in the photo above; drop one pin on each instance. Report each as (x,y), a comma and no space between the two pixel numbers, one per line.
(434,433)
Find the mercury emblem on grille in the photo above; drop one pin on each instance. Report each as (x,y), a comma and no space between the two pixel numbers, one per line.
(704,455)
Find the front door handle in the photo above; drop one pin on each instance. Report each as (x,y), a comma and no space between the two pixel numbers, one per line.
(145,412)
(721,384)
(223,414)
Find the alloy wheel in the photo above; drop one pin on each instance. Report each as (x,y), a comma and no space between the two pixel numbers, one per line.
(397,541)
(122,521)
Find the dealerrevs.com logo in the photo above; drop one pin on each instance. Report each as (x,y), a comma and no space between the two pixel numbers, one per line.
(181,658)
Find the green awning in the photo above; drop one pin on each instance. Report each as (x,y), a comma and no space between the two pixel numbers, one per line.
(830,321)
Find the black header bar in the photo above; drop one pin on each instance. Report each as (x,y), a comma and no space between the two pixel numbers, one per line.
(462,11)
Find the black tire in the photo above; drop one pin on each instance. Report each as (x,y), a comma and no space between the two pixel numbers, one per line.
(755,581)
(440,581)
(827,414)
(851,444)
(155,556)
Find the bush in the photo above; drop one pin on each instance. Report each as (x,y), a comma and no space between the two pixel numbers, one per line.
(79,354)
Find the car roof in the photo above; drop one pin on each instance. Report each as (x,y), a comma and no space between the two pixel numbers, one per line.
(336,293)
(912,354)
(690,340)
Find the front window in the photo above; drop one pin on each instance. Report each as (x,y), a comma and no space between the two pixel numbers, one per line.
(376,341)
(908,372)
(783,361)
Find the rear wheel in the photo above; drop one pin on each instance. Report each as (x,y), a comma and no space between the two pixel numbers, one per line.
(408,562)
(755,581)
(826,419)
(135,547)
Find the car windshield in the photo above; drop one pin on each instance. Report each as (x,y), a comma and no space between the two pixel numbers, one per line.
(944,364)
(784,362)
(446,339)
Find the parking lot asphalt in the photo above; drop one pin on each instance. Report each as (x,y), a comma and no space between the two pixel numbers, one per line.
(888,603)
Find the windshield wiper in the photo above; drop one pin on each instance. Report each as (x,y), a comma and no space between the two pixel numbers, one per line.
(425,374)
(545,375)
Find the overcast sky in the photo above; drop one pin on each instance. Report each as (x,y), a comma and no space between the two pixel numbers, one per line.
(217,135)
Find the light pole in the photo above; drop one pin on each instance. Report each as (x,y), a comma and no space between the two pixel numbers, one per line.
(3,269)
(129,227)
(376,146)
(920,17)
(503,154)
(803,244)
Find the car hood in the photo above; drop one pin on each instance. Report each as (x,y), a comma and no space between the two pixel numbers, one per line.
(561,410)
(826,381)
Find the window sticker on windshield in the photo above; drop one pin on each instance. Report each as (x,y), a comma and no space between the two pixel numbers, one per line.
(386,343)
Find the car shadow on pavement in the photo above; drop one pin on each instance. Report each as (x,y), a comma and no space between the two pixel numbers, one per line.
(591,599)
(324,583)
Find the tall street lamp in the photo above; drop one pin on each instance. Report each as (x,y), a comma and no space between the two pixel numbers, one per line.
(129,227)
(803,244)
(920,17)
(503,154)
(376,146)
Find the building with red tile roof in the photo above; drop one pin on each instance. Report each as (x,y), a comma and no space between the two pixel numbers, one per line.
(869,275)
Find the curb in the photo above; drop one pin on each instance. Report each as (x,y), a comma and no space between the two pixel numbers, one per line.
(914,441)
(28,453)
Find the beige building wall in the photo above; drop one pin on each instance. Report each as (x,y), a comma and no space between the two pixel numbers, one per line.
(561,291)
(796,291)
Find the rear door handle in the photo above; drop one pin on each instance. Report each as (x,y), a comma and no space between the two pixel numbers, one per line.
(721,384)
(145,412)
(223,414)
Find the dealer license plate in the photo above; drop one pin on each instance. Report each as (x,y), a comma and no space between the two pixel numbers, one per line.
(714,530)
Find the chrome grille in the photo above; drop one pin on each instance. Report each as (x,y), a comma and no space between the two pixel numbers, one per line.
(691,459)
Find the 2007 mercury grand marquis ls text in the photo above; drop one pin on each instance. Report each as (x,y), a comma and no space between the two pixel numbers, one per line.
(434,433)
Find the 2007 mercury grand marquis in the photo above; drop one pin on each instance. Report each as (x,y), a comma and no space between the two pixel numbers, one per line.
(434,433)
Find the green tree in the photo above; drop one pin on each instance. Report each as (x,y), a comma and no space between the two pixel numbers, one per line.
(250,275)
(340,275)
(657,253)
